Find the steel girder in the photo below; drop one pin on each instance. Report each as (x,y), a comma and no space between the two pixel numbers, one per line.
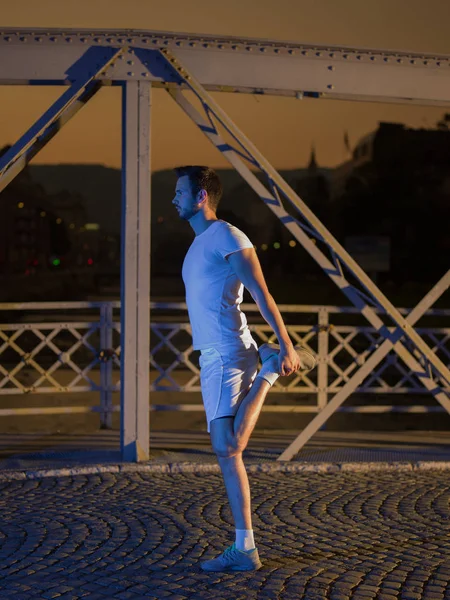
(204,63)
(319,242)
(81,90)
(232,64)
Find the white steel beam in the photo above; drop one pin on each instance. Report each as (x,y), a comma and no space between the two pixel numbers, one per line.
(368,367)
(341,258)
(422,372)
(233,64)
(54,119)
(135,276)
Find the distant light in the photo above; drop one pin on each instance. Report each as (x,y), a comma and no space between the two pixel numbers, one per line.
(292,243)
(90,261)
(59,220)
(72,226)
(56,262)
(43,213)
(92,226)
(277,245)
(20,205)
(264,247)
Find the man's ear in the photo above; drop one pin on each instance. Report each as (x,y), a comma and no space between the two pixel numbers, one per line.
(202,195)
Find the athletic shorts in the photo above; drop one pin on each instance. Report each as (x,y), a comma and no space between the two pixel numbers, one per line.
(226,375)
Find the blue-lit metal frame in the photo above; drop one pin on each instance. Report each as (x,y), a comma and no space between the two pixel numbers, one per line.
(310,232)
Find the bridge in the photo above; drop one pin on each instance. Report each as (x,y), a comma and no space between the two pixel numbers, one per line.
(189,68)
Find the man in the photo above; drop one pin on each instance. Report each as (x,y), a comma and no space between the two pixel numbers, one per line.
(219,263)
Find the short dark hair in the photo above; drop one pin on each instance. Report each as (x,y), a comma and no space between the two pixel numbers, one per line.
(203,178)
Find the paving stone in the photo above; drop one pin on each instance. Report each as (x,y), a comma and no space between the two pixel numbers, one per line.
(125,535)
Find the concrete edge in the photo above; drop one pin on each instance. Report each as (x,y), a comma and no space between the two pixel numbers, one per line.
(192,467)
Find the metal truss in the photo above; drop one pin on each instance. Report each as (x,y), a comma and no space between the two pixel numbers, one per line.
(329,254)
(53,120)
(232,64)
(86,59)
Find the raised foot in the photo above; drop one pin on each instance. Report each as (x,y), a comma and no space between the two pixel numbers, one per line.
(307,359)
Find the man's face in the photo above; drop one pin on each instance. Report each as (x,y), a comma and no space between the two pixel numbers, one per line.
(185,201)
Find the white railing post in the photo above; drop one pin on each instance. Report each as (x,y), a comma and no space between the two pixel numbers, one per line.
(106,327)
(322,356)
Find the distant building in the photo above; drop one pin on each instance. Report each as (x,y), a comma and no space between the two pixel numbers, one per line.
(392,148)
(397,186)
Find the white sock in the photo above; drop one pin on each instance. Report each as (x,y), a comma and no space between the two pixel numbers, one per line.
(269,370)
(244,539)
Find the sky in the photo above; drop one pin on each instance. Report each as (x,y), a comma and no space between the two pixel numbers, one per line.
(283,129)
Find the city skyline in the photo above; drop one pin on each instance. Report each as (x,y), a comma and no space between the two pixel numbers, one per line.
(283,129)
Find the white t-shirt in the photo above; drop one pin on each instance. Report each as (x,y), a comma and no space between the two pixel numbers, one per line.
(213,291)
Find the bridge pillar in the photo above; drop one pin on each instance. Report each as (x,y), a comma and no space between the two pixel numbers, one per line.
(135,272)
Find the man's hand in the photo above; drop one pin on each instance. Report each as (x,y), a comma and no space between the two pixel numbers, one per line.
(288,360)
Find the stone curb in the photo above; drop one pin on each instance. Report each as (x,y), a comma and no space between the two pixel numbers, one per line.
(192,467)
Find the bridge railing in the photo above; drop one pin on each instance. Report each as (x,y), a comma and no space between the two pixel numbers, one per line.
(74,347)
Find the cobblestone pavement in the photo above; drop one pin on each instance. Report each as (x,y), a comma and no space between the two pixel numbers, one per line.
(383,535)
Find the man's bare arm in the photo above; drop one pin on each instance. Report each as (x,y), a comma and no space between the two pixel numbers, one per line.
(245,264)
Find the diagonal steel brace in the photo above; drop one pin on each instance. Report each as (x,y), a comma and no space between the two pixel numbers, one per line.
(334,271)
(421,372)
(48,125)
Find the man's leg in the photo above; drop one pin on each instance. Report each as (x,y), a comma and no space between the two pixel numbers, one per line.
(229,438)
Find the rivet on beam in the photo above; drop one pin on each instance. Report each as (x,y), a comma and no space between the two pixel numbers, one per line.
(331,68)
(130,73)
(262,49)
(145,74)
(23,39)
(179,43)
(235,47)
(277,51)
(330,86)
(345,56)
(38,39)
(438,64)
(399,60)
(130,62)
(413,62)
(305,52)
(69,39)
(386,59)
(373,58)
(318,53)
(291,51)
(7,38)
(192,44)
(221,46)
(53,39)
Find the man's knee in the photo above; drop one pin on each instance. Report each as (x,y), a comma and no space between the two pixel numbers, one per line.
(223,441)
(227,450)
